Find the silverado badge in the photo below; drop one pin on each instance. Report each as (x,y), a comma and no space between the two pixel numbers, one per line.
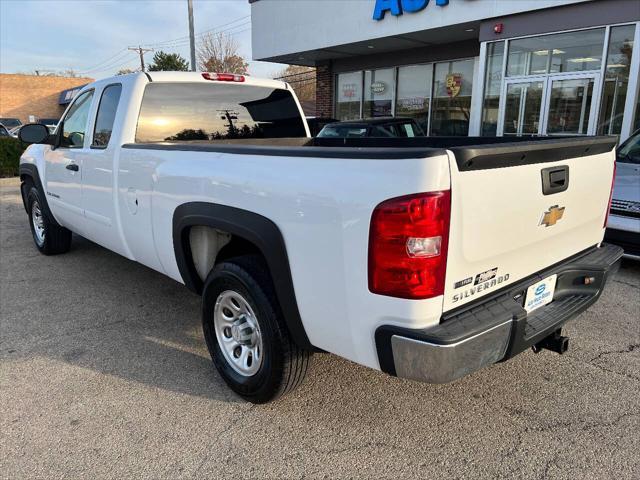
(551,217)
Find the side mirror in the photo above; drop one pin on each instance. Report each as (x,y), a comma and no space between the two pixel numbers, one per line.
(34,133)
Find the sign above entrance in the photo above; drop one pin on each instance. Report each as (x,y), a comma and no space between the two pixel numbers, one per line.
(398,7)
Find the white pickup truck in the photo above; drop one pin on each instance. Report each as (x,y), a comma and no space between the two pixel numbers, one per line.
(426,258)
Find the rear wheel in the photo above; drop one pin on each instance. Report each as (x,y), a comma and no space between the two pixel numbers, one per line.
(49,237)
(245,332)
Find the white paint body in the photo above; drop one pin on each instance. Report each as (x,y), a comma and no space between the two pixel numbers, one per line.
(124,200)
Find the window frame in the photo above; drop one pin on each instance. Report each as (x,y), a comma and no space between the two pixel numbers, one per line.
(60,127)
(95,118)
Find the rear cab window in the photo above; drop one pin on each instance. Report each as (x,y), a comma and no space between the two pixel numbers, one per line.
(206,112)
(106,115)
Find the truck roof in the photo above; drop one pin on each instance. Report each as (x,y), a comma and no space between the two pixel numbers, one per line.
(180,77)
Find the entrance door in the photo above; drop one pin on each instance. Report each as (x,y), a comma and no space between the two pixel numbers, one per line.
(523,107)
(561,104)
(570,105)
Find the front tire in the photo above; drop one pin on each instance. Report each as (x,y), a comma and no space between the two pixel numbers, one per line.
(246,334)
(49,237)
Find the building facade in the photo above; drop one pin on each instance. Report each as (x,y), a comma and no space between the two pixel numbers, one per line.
(465,67)
(33,97)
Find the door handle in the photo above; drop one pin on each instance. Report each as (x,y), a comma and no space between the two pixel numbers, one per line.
(73,167)
(555,179)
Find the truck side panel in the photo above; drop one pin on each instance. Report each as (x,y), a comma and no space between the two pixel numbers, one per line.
(322,207)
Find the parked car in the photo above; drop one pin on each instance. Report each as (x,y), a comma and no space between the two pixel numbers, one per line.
(623,226)
(10,123)
(425,258)
(376,127)
(3,131)
(49,121)
(316,124)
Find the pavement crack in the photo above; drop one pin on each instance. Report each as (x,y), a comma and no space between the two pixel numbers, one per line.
(629,349)
(628,284)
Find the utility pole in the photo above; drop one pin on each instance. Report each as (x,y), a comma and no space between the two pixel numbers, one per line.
(192,39)
(141,51)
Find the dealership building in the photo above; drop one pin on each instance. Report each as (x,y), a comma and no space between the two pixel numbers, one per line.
(465,67)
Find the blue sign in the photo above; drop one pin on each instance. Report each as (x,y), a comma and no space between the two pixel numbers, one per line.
(398,7)
(540,290)
(66,96)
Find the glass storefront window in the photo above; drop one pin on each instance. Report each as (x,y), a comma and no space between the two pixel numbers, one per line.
(378,93)
(451,110)
(522,108)
(616,81)
(492,86)
(558,53)
(349,96)
(570,106)
(414,93)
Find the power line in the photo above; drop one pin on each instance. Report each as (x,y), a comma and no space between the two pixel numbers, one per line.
(175,43)
(201,36)
(91,68)
(109,65)
(186,37)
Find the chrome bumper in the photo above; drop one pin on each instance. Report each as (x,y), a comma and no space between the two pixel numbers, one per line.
(433,363)
(496,327)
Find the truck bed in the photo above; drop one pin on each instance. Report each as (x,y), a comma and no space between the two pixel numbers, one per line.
(472,153)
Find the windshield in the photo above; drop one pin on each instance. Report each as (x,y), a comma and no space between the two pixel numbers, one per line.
(629,152)
(342,131)
(201,111)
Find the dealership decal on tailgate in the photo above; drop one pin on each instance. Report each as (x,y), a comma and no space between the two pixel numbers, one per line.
(540,294)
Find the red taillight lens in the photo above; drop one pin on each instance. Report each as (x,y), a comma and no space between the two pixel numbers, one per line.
(613,183)
(223,77)
(408,243)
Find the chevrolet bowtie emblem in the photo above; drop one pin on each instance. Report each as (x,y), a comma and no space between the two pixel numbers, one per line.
(551,217)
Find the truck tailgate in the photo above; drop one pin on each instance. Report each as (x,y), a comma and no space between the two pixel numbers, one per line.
(519,208)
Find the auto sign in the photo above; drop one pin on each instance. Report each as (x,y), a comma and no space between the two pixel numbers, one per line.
(398,7)
(378,87)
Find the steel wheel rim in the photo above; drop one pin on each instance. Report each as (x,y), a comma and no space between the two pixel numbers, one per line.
(238,333)
(38,223)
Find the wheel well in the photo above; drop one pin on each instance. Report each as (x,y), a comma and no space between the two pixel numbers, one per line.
(210,246)
(27,183)
(226,232)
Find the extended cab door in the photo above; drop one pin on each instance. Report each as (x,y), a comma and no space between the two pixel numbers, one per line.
(63,165)
(98,172)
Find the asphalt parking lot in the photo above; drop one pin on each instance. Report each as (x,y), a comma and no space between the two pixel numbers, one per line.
(104,373)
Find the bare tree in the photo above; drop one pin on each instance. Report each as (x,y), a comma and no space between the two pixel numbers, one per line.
(219,53)
(302,80)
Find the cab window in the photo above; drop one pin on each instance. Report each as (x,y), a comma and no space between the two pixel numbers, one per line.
(75,122)
(106,115)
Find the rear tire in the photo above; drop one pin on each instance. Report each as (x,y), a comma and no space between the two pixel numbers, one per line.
(246,334)
(49,237)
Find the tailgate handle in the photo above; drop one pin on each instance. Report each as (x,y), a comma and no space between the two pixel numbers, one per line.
(555,179)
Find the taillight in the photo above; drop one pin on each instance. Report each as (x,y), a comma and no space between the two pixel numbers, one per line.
(613,183)
(408,243)
(223,77)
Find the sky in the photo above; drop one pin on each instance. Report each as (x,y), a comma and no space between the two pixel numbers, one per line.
(91,36)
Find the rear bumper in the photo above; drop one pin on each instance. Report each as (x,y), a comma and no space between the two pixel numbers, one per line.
(496,327)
